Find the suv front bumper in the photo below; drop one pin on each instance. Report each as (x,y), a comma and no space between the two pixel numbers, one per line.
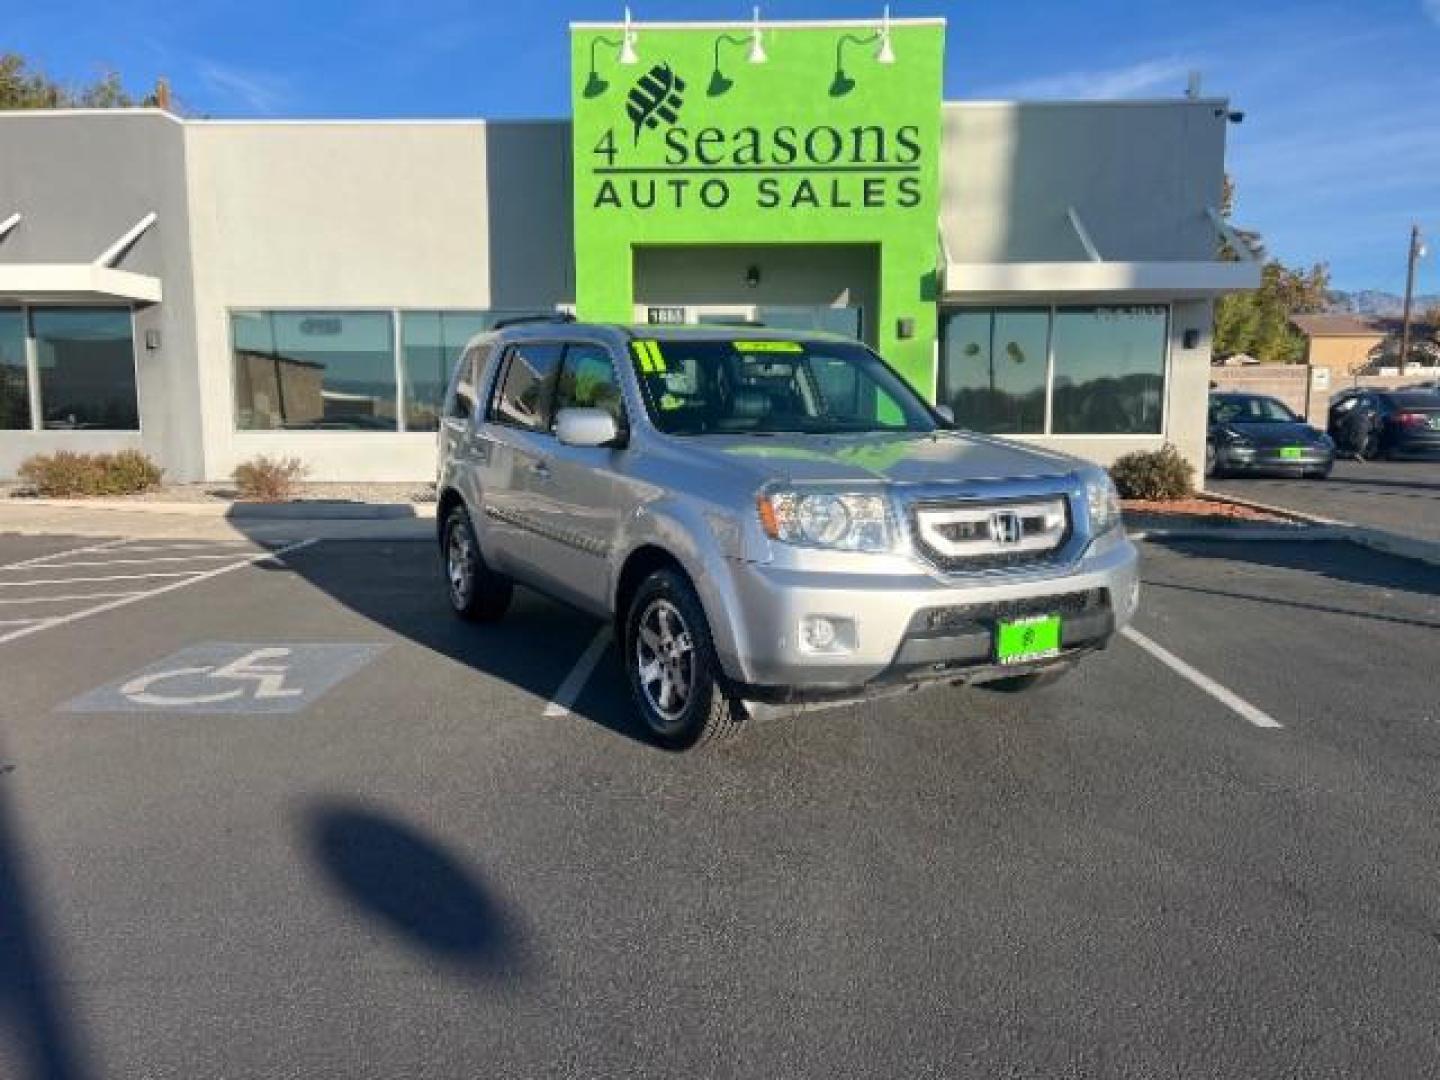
(910,628)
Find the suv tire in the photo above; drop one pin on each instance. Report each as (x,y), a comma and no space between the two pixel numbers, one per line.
(671,665)
(476,592)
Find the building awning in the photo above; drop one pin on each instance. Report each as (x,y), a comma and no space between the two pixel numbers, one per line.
(1134,280)
(1098,277)
(75,282)
(96,281)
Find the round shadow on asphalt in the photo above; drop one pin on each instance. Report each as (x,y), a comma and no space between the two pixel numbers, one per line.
(411,884)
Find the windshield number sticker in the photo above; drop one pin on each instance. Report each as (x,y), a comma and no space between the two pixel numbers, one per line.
(768,346)
(652,361)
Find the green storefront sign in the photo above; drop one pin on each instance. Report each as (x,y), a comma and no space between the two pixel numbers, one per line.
(822,143)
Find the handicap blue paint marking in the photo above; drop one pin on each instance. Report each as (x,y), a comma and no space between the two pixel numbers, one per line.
(231,677)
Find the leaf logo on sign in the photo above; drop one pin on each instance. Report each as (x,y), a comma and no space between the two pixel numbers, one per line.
(657,95)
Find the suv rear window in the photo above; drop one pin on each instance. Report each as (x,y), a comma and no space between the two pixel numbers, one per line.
(522,396)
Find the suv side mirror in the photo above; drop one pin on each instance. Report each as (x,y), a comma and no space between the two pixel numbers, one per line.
(945,413)
(587,427)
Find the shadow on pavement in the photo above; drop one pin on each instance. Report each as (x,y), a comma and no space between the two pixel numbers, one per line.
(1339,560)
(41,1035)
(1355,483)
(399,585)
(413,886)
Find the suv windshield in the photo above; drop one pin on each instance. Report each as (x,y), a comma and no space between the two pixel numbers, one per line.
(814,387)
(1250,410)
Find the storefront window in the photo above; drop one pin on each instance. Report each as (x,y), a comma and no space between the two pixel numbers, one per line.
(1102,368)
(314,370)
(1109,370)
(14,385)
(86,360)
(430,343)
(995,369)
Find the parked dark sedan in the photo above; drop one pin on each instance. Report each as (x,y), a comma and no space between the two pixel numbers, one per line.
(1251,433)
(1386,423)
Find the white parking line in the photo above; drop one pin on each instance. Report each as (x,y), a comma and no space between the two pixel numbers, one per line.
(123,601)
(1227,698)
(88,580)
(59,599)
(129,562)
(569,690)
(41,560)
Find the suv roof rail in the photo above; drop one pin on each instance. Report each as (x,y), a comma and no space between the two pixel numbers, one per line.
(517,320)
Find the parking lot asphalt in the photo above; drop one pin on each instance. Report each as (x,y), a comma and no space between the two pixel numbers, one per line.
(424,868)
(1399,496)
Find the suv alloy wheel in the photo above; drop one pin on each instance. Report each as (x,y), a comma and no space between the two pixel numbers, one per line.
(476,592)
(671,665)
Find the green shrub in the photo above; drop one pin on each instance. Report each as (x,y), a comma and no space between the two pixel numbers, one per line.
(66,474)
(266,479)
(1154,474)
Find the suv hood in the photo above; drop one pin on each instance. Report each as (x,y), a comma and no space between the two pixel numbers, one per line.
(900,458)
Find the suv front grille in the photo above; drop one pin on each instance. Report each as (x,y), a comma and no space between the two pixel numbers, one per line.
(965,618)
(960,535)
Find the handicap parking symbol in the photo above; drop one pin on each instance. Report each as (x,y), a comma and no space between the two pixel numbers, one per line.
(230,677)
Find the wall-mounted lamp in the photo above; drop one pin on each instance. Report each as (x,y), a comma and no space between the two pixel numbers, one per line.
(842,84)
(1190,339)
(1235,116)
(628,55)
(152,339)
(719,84)
(752,277)
(595,85)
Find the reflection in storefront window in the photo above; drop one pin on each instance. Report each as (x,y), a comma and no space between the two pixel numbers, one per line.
(14,385)
(86,361)
(994,375)
(1103,369)
(430,344)
(320,370)
(1109,370)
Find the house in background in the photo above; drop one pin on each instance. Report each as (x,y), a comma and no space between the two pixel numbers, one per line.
(1344,343)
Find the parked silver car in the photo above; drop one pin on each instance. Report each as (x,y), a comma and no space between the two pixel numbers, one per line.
(772,520)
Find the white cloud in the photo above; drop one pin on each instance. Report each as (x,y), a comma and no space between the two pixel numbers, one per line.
(1165,74)
(253,91)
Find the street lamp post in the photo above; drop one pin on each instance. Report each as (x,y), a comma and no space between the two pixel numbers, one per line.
(1417,251)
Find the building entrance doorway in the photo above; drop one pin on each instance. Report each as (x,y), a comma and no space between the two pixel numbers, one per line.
(845,320)
(829,287)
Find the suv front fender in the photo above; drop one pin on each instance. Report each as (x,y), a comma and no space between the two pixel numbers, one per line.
(703,541)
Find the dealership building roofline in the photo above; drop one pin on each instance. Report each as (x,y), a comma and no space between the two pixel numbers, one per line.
(303,286)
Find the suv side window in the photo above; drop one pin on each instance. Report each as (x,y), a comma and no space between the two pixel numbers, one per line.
(587,381)
(464,390)
(523,393)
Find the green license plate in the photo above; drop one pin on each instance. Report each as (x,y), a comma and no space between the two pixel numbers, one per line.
(1018,641)
(1291,453)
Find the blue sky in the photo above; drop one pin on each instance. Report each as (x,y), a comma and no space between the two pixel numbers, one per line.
(1339,151)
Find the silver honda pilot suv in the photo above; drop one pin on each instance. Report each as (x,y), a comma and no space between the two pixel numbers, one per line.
(773,520)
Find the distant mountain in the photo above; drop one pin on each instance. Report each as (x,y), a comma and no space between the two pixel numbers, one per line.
(1376,302)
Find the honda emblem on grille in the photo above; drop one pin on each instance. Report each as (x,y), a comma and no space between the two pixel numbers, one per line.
(1005,527)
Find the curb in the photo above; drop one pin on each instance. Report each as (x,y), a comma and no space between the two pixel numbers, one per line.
(1387,543)
(315,510)
(1240,533)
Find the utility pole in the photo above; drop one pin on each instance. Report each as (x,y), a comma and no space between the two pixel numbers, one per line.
(1416,251)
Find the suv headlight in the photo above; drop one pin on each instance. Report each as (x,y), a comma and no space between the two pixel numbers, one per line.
(826,519)
(1102,502)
